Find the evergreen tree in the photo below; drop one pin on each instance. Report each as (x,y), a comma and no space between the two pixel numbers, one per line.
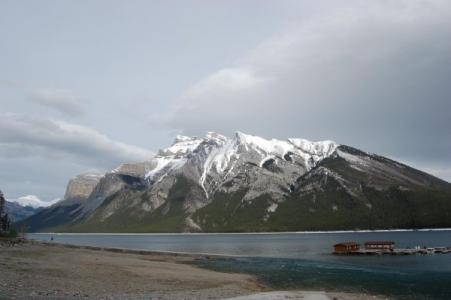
(4,220)
(2,205)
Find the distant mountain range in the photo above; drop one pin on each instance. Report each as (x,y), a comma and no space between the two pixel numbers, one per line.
(18,212)
(24,207)
(246,183)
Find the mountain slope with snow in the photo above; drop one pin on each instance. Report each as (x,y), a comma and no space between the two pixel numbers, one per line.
(247,183)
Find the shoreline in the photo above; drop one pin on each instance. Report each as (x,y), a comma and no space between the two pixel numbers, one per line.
(36,270)
(247,233)
(40,270)
(135,251)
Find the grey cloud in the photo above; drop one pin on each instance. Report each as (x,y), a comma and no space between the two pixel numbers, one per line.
(28,136)
(62,100)
(374,76)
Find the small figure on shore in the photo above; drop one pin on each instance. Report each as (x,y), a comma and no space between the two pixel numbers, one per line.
(51,238)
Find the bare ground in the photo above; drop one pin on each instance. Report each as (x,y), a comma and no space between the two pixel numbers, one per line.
(33,270)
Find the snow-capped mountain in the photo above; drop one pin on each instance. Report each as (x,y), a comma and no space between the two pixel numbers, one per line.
(216,158)
(25,206)
(248,183)
(33,201)
(17,212)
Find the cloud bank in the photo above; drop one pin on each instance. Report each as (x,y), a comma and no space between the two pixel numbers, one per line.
(23,135)
(62,100)
(373,75)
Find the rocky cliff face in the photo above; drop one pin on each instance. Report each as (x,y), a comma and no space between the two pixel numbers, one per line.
(247,183)
(70,209)
(81,186)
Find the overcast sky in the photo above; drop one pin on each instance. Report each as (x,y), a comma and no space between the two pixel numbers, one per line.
(86,85)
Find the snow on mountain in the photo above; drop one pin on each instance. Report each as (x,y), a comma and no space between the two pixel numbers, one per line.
(311,152)
(218,153)
(182,146)
(172,157)
(33,201)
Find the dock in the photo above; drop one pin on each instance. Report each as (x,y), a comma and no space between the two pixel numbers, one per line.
(385,248)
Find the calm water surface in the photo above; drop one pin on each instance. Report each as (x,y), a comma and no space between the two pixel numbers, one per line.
(304,260)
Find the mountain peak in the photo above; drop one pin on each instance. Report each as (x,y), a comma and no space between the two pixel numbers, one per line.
(82,185)
(182,145)
(183,138)
(320,148)
(32,201)
(216,137)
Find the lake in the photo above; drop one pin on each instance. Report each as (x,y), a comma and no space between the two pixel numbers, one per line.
(304,260)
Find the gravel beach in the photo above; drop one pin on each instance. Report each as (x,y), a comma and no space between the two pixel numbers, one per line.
(34,270)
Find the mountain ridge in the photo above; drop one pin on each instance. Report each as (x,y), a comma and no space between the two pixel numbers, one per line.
(17,212)
(247,183)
